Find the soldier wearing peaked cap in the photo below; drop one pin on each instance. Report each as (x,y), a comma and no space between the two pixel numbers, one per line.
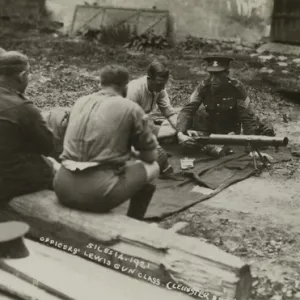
(219,105)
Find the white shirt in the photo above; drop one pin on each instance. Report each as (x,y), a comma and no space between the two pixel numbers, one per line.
(139,93)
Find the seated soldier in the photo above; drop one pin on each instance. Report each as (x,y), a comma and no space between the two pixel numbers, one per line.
(24,136)
(149,91)
(96,173)
(219,105)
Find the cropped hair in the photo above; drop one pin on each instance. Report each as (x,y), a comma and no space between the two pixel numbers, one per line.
(114,75)
(158,69)
(12,63)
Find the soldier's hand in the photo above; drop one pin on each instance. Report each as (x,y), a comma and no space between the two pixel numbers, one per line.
(186,140)
(266,156)
(193,133)
(265,128)
(269,131)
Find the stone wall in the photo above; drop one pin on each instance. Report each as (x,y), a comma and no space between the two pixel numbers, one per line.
(247,19)
(23,10)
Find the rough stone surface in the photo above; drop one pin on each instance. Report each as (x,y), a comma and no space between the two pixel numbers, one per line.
(283,49)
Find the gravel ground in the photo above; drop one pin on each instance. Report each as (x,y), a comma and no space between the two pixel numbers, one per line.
(256,219)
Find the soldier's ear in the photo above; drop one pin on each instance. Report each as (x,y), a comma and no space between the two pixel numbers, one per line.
(22,76)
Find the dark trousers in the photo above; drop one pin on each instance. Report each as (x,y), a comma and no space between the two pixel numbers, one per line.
(100,189)
(33,175)
(162,157)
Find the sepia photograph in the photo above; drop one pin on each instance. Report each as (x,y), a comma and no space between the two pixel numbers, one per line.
(149,149)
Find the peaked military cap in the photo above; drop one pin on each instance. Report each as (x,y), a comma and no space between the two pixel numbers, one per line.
(217,63)
(11,239)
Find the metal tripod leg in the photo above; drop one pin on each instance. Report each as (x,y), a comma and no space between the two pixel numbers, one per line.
(253,150)
(262,158)
(254,159)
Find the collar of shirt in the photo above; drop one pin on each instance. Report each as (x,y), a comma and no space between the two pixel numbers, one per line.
(108,92)
(146,86)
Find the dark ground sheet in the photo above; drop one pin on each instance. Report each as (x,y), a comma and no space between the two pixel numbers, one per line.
(212,175)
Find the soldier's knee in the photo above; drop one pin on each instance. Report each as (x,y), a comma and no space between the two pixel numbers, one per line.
(152,170)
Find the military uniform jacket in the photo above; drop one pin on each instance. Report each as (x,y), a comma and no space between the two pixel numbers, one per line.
(227,107)
(24,138)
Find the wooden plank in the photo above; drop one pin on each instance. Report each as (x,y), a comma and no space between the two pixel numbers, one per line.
(20,287)
(125,8)
(162,254)
(6,267)
(79,278)
(89,16)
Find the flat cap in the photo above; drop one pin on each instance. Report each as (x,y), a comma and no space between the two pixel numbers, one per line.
(12,61)
(11,239)
(217,63)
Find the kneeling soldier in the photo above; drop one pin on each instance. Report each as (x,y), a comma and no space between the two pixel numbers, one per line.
(219,105)
(149,91)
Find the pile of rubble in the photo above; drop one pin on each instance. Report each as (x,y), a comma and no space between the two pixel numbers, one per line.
(208,44)
(280,71)
(279,63)
(269,288)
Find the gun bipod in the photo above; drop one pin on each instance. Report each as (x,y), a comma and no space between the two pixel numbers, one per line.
(262,159)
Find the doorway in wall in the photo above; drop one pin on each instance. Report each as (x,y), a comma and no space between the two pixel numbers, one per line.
(285,26)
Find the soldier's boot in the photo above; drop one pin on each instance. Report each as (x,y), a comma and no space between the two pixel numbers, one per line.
(140,201)
(166,170)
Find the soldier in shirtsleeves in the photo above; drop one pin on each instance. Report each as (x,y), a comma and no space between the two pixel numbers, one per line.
(148,92)
(219,105)
(24,137)
(97,172)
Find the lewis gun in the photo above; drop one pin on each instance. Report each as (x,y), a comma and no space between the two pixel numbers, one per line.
(253,142)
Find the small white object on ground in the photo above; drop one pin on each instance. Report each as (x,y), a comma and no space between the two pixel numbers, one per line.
(282,64)
(202,190)
(281,57)
(266,70)
(187,163)
(265,57)
(178,226)
(296,60)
